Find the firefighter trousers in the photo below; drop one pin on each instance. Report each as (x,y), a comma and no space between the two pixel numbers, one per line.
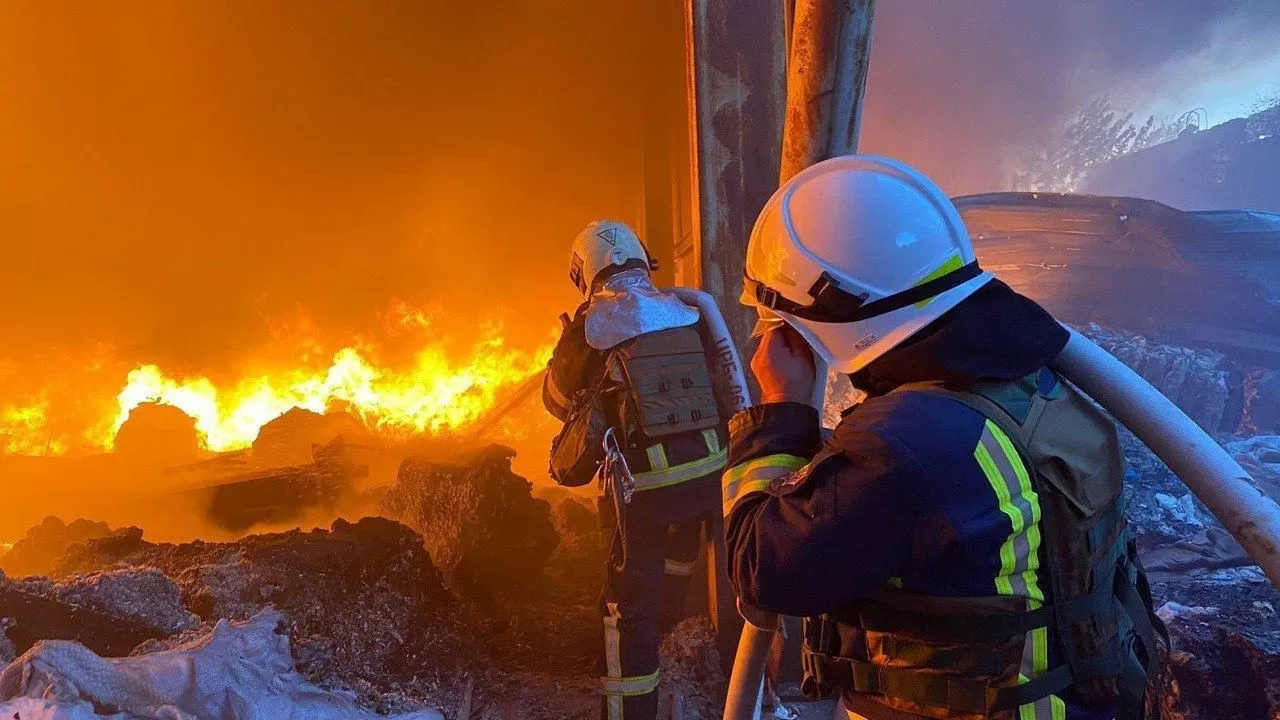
(665,530)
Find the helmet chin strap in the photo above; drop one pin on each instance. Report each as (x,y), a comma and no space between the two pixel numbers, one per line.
(833,305)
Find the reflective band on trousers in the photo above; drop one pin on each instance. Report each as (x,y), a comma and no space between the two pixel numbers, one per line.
(662,475)
(629,686)
(1019,556)
(754,475)
(682,569)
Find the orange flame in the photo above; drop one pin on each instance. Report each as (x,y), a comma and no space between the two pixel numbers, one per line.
(23,431)
(432,396)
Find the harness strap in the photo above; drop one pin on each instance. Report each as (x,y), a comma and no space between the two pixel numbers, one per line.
(958,693)
(883,617)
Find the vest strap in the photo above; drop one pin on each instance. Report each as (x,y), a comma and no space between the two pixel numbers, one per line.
(961,694)
(885,617)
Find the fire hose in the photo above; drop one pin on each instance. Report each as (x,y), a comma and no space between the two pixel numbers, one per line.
(746,682)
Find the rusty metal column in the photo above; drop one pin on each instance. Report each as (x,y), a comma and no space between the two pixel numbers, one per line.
(736,53)
(826,81)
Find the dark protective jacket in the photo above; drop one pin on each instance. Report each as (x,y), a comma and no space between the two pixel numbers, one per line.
(575,366)
(904,500)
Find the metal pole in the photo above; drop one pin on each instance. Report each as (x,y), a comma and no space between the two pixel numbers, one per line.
(829,46)
(826,81)
(736,54)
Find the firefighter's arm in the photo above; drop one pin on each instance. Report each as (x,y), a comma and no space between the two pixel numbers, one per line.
(567,368)
(802,536)
(553,398)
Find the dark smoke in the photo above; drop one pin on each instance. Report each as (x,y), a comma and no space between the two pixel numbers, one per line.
(959,89)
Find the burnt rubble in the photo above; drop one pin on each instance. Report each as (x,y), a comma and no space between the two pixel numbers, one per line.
(31,611)
(365,605)
(486,532)
(44,545)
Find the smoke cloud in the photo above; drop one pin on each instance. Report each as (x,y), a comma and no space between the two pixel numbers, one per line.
(961,89)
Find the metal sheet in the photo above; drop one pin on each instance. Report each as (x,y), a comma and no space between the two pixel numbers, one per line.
(627,305)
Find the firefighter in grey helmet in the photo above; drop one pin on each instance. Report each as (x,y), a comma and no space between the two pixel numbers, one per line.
(639,359)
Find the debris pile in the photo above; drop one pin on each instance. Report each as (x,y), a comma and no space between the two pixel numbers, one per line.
(1225,661)
(288,439)
(692,684)
(144,594)
(1199,382)
(1219,607)
(366,608)
(251,660)
(44,545)
(576,567)
(484,529)
(156,434)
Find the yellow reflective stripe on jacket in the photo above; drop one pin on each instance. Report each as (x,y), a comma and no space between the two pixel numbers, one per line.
(664,476)
(712,439)
(558,397)
(657,457)
(1020,552)
(629,686)
(755,475)
(1019,556)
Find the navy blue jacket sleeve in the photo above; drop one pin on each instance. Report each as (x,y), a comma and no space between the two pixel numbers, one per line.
(574,365)
(831,531)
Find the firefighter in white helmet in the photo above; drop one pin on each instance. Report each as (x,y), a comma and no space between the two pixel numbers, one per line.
(959,543)
(637,360)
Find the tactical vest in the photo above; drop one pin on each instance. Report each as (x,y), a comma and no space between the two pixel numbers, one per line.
(665,389)
(963,658)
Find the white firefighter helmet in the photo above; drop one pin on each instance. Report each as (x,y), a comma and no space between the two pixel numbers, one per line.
(858,253)
(604,244)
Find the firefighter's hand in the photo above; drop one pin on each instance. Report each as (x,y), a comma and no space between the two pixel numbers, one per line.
(784,366)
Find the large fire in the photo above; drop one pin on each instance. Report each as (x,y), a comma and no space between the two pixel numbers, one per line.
(430,393)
